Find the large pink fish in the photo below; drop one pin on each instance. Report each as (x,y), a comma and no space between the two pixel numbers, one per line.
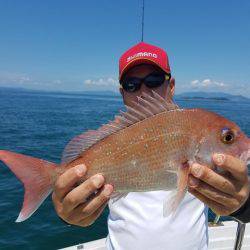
(146,148)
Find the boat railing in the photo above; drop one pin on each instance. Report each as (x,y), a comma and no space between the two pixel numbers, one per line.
(239,235)
(240,232)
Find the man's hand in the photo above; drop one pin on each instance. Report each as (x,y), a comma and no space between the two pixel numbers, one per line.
(223,192)
(80,205)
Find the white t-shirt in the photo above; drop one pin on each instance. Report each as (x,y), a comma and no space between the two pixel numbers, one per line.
(136,222)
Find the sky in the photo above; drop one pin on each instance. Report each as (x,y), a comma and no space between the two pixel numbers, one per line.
(76,45)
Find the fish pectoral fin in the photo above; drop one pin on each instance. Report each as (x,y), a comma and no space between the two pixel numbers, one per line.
(172,202)
(169,204)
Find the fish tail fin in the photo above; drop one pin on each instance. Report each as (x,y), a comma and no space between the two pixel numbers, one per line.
(171,203)
(36,176)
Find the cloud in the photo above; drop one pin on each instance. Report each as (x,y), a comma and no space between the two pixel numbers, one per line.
(57,81)
(88,81)
(23,79)
(14,78)
(106,82)
(30,81)
(112,80)
(207,83)
(194,82)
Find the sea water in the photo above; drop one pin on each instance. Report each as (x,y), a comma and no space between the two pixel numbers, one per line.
(40,124)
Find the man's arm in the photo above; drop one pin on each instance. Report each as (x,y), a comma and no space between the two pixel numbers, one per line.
(225,193)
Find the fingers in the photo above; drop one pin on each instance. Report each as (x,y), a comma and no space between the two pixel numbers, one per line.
(226,191)
(82,204)
(91,219)
(82,192)
(216,207)
(214,194)
(212,178)
(89,208)
(68,179)
(232,164)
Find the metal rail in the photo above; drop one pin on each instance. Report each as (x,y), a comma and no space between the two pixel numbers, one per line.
(239,235)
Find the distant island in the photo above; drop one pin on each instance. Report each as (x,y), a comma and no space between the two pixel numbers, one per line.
(216,96)
(208,98)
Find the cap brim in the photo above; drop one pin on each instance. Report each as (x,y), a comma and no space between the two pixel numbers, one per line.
(139,61)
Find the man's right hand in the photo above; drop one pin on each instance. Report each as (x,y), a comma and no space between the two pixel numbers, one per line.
(80,205)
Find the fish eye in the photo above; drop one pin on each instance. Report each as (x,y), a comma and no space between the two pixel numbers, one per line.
(227,136)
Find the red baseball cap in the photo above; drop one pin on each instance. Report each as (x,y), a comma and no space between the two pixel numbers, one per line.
(143,53)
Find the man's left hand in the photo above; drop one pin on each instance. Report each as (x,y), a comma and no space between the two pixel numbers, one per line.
(223,192)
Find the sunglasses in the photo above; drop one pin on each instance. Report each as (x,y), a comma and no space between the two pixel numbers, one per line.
(153,80)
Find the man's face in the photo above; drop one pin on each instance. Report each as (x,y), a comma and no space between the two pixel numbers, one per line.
(141,71)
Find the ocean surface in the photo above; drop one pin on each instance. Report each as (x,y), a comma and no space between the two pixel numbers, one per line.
(40,124)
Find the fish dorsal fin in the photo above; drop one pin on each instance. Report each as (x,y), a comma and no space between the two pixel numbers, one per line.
(147,106)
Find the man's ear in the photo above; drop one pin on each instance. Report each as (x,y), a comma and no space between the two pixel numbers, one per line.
(172,86)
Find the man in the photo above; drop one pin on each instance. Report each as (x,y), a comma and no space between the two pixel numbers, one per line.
(135,221)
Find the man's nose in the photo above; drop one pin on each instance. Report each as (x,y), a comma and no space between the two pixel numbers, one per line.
(145,89)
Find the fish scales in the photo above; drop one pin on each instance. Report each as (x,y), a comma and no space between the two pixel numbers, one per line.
(137,167)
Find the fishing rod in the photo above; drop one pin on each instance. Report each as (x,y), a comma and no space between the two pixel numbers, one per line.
(142,21)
